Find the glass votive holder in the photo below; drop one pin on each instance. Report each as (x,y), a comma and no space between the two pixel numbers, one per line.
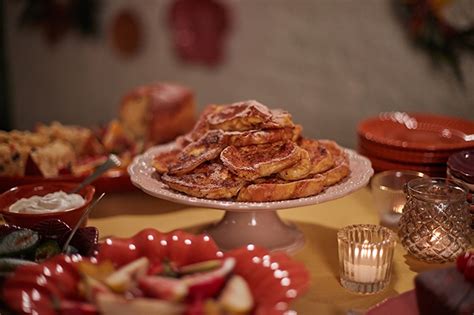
(365,257)
(435,225)
(388,193)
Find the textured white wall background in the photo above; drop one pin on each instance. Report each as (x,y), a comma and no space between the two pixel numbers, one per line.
(330,62)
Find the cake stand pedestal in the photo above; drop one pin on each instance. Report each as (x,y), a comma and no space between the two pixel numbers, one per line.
(244,223)
(262,228)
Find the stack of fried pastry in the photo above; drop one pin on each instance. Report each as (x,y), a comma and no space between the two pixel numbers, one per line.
(247,152)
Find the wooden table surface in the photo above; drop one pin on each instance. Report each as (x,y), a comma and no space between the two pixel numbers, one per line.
(127,213)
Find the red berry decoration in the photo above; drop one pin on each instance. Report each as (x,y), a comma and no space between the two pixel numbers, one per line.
(469,270)
(462,259)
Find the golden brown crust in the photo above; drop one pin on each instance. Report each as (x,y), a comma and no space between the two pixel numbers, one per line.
(279,119)
(158,112)
(200,128)
(207,148)
(239,116)
(321,158)
(162,160)
(251,162)
(210,180)
(299,170)
(339,172)
(251,137)
(274,189)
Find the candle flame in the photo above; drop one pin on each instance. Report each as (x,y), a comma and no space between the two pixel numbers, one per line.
(435,236)
(398,208)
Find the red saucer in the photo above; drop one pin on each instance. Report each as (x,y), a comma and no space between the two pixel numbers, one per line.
(416,131)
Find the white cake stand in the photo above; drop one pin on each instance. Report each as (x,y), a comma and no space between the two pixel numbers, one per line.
(246,223)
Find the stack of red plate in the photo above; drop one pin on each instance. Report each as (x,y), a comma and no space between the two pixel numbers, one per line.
(413,141)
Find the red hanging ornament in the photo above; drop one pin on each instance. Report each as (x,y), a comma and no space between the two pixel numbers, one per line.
(199,29)
(126,33)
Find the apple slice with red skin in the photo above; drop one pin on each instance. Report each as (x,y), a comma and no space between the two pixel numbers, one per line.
(165,288)
(203,266)
(122,279)
(92,287)
(208,284)
(236,297)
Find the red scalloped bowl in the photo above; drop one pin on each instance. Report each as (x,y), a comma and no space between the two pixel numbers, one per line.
(27,220)
(275,279)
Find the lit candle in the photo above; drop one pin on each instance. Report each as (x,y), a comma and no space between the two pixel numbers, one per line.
(366,268)
(365,257)
(398,208)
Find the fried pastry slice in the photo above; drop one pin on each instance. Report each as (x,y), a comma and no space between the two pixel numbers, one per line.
(299,170)
(341,168)
(274,189)
(239,116)
(251,137)
(339,172)
(336,174)
(210,180)
(207,148)
(254,161)
(163,160)
(321,158)
(280,119)
(332,147)
(200,128)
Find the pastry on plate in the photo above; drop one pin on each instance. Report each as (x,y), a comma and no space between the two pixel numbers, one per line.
(255,153)
(275,188)
(210,180)
(240,116)
(207,148)
(254,161)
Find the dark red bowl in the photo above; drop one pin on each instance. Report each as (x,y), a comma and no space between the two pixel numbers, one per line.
(28,220)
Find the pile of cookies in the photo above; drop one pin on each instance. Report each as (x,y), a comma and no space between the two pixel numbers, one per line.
(247,152)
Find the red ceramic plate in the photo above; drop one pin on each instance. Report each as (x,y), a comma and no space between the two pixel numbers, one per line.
(118,182)
(403,155)
(275,279)
(404,303)
(436,170)
(418,131)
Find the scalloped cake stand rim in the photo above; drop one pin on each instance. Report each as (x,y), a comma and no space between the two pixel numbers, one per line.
(141,174)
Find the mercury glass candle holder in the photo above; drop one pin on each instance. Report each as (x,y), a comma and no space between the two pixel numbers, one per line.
(434,226)
(389,196)
(365,257)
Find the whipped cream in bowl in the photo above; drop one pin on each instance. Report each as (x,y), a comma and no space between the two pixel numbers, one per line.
(52,202)
(26,205)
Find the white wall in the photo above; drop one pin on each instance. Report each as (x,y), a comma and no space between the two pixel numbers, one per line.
(330,62)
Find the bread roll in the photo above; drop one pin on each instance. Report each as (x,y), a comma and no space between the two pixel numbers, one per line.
(158,113)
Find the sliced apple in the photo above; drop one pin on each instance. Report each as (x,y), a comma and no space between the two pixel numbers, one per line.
(202,266)
(110,304)
(208,284)
(169,289)
(122,279)
(91,287)
(98,271)
(236,297)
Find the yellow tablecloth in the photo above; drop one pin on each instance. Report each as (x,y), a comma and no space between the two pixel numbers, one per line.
(125,214)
